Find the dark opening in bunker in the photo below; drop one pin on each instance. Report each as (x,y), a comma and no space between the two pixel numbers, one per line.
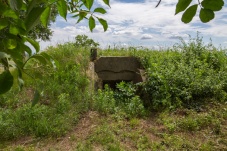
(112,83)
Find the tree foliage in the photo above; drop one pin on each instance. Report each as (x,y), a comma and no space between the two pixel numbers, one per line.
(43,32)
(20,21)
(18,26)
(84,41)
(206,13)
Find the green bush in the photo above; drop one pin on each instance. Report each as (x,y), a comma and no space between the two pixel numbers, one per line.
(186,76)
(124,99)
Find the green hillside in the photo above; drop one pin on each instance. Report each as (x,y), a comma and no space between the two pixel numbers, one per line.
(181,106)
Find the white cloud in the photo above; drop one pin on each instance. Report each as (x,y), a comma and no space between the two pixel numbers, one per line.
(131,22)
(146,36)
(176,35)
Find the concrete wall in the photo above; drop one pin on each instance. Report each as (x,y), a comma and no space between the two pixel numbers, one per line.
(118,69)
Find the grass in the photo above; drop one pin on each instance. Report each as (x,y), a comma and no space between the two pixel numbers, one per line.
(99,132)
(64,96)
(176,112)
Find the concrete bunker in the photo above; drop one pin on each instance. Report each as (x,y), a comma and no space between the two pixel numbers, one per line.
(112,70)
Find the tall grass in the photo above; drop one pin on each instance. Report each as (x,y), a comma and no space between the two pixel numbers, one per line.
(64,96)
(188,75)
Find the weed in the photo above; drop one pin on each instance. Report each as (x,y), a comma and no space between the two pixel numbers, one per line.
(122,102)
(143,143)
(104,136)
(63,103)
(134,122)
(126,97)
(104,101)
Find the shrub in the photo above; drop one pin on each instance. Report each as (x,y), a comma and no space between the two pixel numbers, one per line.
(186,76)
(124,99)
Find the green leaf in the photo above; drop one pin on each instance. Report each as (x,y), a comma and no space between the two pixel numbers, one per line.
(10,43)
(107,2)
(16,30)
(74,16)
(6,81)
(13,30)
(104,23)
(31,5)
(46,56)
(89,3)
(25,48)
(45,16)
(62,8)
(100,10)
(3,23)
(82,15)
(214,5)
(20,24)
(15,4)
(182,5)
(11,14)
(91,23)
(206,15)
(51,60)
(33,17)
(20,82)
(36,98)
(189,14)
(40,58)
(19,78)
(34,44)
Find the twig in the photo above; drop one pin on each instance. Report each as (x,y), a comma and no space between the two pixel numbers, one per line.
(158,3)
(199,3)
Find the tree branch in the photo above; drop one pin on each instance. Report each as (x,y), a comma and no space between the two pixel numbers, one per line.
(199,3)
(158,3)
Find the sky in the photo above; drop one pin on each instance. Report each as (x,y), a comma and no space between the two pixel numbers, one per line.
(137,23)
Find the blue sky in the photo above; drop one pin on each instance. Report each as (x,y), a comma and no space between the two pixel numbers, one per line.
(139,23)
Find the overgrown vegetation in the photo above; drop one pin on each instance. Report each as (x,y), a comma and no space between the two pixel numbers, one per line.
(181,106)
(63,98)
(123,101)
(188,75)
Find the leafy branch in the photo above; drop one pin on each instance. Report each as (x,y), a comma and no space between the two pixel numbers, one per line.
(18,18)
(207,11)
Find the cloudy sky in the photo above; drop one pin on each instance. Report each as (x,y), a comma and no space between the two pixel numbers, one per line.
(139,23)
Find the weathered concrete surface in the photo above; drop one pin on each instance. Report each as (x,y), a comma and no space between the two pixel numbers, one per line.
(95,82)
(111,70)
(116,64)
(117,68)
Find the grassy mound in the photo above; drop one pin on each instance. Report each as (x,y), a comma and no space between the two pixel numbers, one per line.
(183,99)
